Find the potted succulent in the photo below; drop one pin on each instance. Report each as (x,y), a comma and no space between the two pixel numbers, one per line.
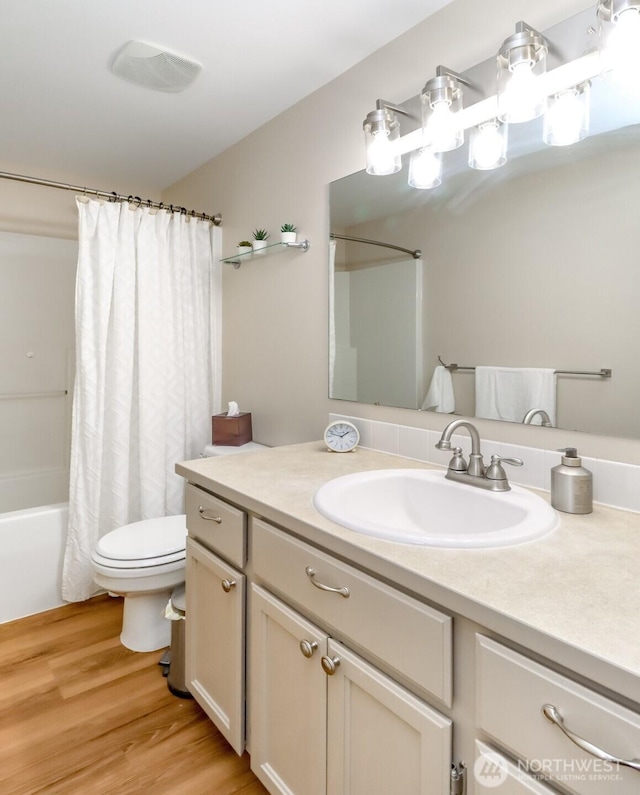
(260,237)
(244,247)
(288,233)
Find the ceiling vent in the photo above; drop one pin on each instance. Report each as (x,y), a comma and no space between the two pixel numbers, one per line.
(154,67)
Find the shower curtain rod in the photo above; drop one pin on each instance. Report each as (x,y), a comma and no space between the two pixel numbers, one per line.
(112,196)
(416,254)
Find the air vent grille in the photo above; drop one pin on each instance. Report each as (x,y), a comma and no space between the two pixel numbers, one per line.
(154,67)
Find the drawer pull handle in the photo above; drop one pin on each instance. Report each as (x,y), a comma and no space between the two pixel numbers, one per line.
(307,647)
(311,574)
(227,585)
(551,714)
(329,664)
(216,519)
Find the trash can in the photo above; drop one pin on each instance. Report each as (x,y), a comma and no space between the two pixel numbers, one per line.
(177,677)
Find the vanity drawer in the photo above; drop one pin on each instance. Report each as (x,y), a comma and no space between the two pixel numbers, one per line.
(511,691)
(493,773)
(217,525)
(410,637)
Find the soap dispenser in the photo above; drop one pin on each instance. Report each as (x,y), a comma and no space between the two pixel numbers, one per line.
(571,484)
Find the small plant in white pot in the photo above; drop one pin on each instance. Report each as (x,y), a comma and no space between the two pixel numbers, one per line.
(244,247)
(288,233)
(260,237)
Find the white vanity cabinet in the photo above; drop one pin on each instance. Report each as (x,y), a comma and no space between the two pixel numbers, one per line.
(349,679)
(323,719)
(215,630)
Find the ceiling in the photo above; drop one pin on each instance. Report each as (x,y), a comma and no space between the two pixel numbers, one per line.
(65,113)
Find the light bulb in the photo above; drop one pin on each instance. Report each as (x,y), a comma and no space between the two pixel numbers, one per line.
(622,53)
(381,137)
(522,99)
(567,119)
(425,169)
(488,146)
(442,130)
(381,156)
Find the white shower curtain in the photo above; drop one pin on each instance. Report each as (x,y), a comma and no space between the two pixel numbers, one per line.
(148,328)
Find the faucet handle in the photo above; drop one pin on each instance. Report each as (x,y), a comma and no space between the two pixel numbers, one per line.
(514,462)
(495,470)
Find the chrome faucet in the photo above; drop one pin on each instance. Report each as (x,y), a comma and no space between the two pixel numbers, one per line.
(474,473)
(546,420)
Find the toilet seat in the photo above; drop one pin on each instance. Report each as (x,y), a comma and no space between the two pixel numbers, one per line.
(140,565)
(144,544)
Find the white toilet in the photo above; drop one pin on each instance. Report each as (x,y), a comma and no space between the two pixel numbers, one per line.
(143,562)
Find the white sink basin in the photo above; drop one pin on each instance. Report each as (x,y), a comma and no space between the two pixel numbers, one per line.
(419,506)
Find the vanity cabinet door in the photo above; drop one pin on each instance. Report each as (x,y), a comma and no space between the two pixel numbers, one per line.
(381,738)
(215,647)
(287,698)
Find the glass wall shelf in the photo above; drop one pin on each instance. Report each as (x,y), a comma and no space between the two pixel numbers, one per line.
(273,248)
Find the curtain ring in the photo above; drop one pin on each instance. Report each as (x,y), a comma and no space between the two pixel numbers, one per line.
(203,216)
(149,204)
(113,197)
(161,206)
(138,200)
(171,208)
(183,211)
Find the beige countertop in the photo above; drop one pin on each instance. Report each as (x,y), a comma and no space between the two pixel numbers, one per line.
(572,596)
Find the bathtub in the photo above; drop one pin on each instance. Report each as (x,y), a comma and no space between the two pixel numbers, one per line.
(31,557)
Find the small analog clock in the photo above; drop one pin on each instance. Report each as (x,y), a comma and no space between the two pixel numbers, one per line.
(341,436)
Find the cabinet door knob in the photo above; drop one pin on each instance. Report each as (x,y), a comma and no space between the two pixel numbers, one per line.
(227,585)
(329,664)
(311,574)
(216,519)
(307,647)
(552,714)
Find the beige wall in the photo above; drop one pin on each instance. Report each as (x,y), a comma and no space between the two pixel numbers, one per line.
(275,310)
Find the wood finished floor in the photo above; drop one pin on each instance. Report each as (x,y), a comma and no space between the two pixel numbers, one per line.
(79,713)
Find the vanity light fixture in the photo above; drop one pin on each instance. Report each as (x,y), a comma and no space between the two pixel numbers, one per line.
(381,137)
(488,145)
(525,91)
(425,168)
(441,100)
(567,118)
(620,37)
(521,63)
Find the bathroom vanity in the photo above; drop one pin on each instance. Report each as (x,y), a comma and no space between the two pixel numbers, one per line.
(350,664)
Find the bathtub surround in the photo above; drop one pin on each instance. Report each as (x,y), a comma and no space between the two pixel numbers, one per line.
(148,370)
(37,276)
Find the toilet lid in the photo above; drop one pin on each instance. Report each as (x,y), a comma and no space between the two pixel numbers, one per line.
(150,538)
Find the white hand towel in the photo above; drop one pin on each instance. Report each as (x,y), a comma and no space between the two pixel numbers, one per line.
(440,396)
(508,393)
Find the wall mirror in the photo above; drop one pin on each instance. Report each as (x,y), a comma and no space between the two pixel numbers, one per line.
(532,265)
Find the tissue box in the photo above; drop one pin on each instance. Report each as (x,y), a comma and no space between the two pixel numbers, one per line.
(231,431)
